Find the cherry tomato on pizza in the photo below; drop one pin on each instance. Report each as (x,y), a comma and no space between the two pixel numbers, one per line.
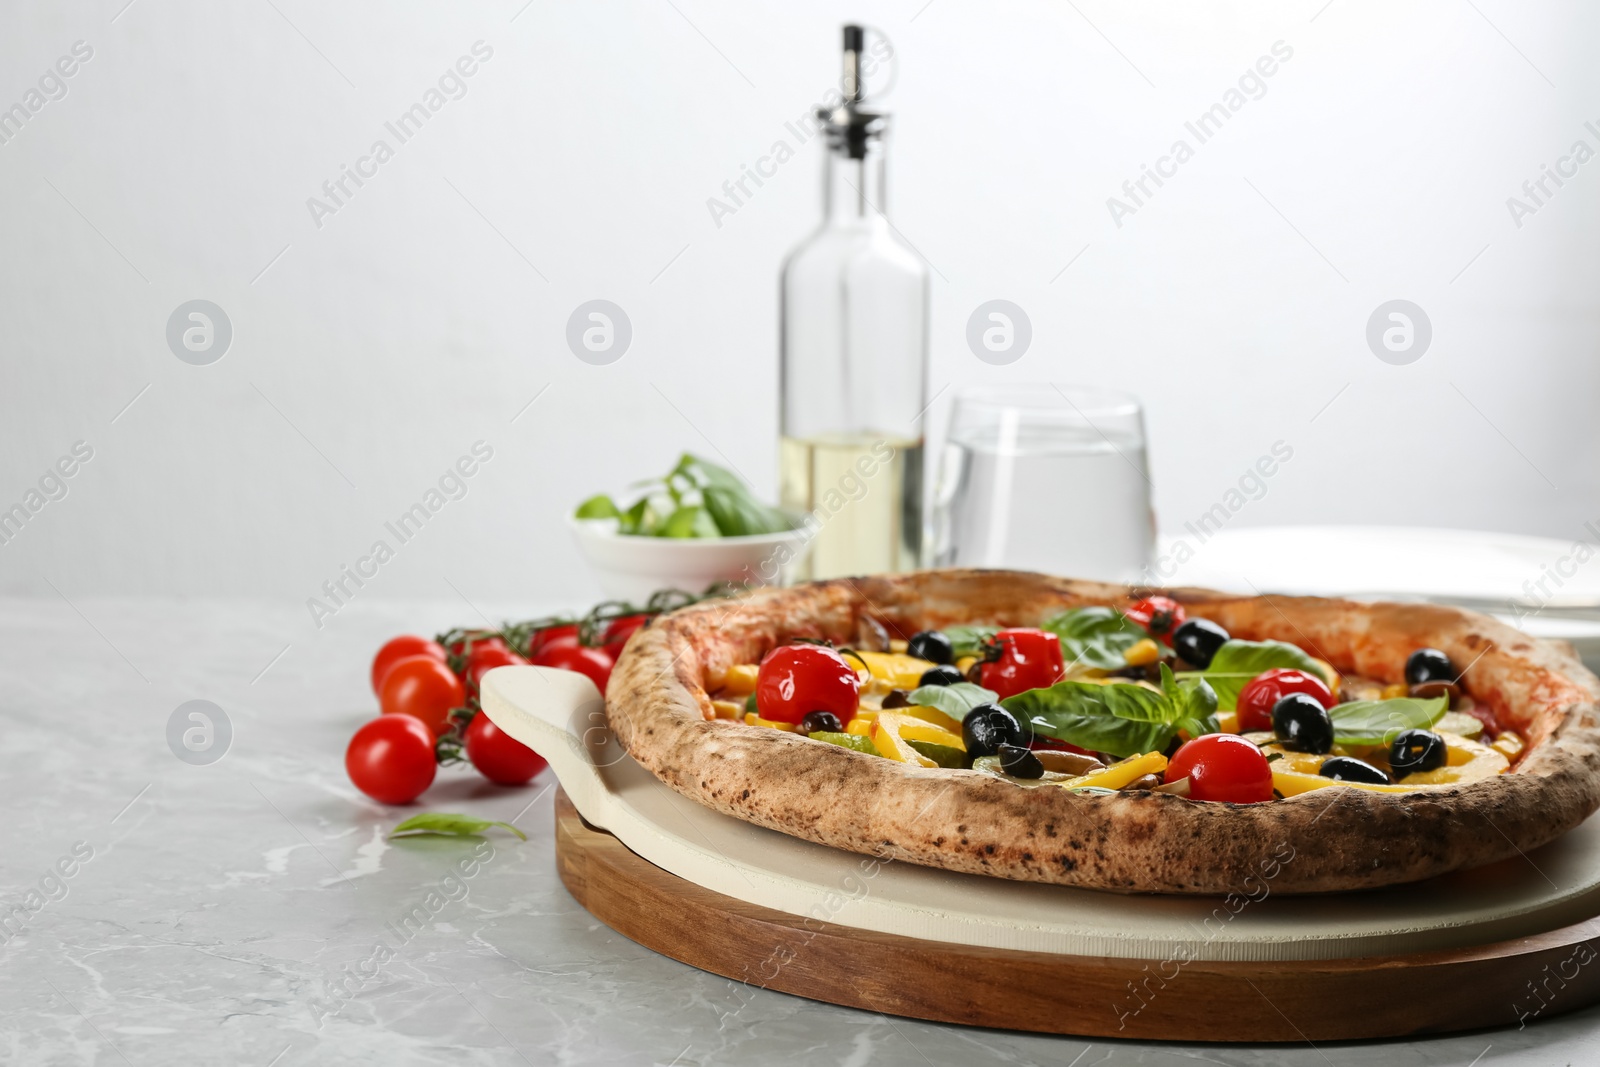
(1023,659)
(1222,767)
(1159,615)
(1262,692)
(795,680)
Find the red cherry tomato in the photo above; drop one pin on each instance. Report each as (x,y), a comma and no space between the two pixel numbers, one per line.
(542,639)
(574,657)
(391,759)
(400,648)
(1160,615)
(618,632)
(1222,767)
(797,679)
(424,688)
(1268,687)
(1029,659)
(479,639)
(485,659)
(498,756)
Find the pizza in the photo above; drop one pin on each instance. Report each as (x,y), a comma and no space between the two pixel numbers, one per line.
(1070,732)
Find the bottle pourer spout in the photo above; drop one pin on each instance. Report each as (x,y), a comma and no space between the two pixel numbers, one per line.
(854,45)
(850,123)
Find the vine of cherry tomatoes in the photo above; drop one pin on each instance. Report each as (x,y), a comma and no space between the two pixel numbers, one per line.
(427,691)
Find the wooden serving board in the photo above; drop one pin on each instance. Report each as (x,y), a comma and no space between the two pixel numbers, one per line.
(1506,983)
(1499,945)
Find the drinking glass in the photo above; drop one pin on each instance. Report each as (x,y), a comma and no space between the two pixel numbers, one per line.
(1045,478)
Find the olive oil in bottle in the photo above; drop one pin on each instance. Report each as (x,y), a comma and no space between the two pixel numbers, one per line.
(862,495)
(854,333)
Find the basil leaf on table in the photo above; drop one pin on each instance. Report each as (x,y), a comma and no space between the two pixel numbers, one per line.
(1124,719)
(954,700)
(969,640)
(1376,722)
(1236,662)
(444,823)
(1095,637)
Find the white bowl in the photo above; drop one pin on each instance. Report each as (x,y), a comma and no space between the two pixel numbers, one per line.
(631,567)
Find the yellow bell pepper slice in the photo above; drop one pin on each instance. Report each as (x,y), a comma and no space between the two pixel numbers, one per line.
(861,725)
(1142,653)
(933,715)
(1293,783)
(741,679)
(752,719)
(1465,761)
(1509,744)
(964,664)
(1228,722)
(897,668)
(915,728)
(1121,773)
(891,732)
(728,709)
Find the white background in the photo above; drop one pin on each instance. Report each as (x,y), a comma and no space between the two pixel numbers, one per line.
(426,313)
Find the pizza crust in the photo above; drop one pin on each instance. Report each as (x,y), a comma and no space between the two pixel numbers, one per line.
(1322,841)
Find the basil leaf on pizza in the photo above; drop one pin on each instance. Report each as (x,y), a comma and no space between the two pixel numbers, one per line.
(954,700)
(1376,722)
(1196,704)
(1236,662)
(969,640)
(1123,719)
(1095,637)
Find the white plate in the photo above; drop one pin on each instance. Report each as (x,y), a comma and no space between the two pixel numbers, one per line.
(560,715)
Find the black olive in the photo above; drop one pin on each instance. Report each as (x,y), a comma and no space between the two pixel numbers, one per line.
(1302,724)
(896,698)
(931,645)
(821,721)
(1197,640)
(944,674)
(1416,750)
(988,726)
(1350,769)
(1428,665)
(1020,762)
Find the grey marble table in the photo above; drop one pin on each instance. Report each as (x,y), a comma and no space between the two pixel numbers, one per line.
(233,913)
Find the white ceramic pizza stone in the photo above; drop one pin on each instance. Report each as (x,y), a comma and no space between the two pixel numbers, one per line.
(560,715)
